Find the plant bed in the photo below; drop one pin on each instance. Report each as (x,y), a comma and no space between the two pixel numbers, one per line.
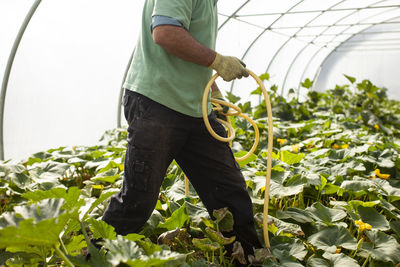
(335,193)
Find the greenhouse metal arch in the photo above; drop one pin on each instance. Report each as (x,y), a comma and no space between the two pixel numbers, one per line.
(293,39)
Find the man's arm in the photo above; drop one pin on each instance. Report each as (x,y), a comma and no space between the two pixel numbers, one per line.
(178,42)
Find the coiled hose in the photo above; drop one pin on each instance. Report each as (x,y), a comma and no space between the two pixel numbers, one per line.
(231,135)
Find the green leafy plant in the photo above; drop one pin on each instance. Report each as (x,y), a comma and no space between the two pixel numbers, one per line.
(335,193)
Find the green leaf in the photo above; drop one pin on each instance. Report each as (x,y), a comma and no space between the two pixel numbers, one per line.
(351,79)
(7,169)
(371,216)
(109,176)
(207,223)
(196,212)
(48,171)
(148,246)
(317,262)
(232,98)
(122,250)
(20,180)
(152,223)
(264,76)
(246,161)
(39,251)
(387,189)
(258,91)
(307,83)
(339,260)
(75,245)
(168,238)
(42,210)
(285,259)
(294,247)
(177,220)
(71,196)
(101,229)
(328,239)
(160,258)
(328,216)
(395,225)
(356,203)
(357,185)
(177,191)
(205,244)
(282,226)
(219,237)
(290,158)
(9,219)
(279,191)
(42,224)
(224,219)
(90,205)
(383,247)
(295,214)
(21,259)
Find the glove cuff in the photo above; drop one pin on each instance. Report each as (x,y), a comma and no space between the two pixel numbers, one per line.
(216,61)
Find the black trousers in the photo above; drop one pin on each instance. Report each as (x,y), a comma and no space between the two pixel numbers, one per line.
(158,135)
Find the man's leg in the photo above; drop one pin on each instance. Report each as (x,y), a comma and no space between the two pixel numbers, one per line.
(214,173)
(151,142)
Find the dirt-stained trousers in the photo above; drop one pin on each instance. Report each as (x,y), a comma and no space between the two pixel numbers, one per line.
(158,135)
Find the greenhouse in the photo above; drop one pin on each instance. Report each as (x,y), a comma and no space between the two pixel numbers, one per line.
(316,130)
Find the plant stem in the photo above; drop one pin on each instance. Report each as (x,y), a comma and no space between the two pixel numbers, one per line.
(63,257)
(231,262)
(365,262)
(85,234)
(62,245)
(221,256)
(44,256)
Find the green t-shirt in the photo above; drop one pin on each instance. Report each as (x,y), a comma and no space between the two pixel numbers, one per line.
(167,79)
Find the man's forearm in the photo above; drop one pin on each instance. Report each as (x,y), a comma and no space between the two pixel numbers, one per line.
(180,43)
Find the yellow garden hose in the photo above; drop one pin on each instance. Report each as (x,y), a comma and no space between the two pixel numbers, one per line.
(231,135)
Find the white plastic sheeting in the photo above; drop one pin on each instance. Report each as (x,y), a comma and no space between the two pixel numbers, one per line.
(65,82)
(373,54)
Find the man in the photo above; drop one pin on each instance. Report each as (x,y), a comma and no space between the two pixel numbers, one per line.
(172,63)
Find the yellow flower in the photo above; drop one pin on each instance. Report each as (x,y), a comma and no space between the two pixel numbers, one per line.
(295,148)
(376,126)
(282,141)
(98,186)
(262,189)
(362,226)
(338,250)
(381,175)
(336,146)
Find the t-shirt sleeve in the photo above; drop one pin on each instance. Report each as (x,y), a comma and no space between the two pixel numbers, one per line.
(177,9)
(163,20)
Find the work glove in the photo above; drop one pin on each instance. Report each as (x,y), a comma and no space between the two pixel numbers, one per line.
(218,95)
(229,68)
